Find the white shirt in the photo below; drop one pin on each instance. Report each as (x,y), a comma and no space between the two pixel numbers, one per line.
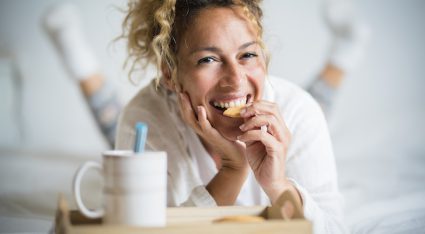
(310,164)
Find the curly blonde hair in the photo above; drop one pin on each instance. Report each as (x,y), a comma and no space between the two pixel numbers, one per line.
(153,28)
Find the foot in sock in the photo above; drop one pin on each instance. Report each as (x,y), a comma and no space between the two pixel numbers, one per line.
(63,25)
(350,37)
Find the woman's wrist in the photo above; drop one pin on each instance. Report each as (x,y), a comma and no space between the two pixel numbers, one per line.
(276,190)
(226,185)
(234,167)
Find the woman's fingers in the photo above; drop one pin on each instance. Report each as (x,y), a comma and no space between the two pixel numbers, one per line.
(187,112)
(198,122)
(204,124)
(269,122)
(271,144)
(262,108)
(265,114)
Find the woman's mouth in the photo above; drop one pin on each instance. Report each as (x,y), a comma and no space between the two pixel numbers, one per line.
(222,105)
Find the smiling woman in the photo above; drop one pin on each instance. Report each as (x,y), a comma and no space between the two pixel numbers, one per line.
(220,63)
(210,57)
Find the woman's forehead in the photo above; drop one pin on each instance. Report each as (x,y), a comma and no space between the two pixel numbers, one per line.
(216,26)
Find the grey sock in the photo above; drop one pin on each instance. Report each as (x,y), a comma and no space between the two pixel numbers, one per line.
(323,93)
(106,107)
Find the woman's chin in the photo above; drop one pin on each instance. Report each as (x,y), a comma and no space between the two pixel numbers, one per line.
(230,134)
(227,127)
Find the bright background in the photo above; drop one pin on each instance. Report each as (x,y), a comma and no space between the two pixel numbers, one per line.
(387,86)
(377,126)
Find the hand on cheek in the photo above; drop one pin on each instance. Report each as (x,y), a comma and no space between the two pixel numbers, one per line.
(231,153)
(267,139)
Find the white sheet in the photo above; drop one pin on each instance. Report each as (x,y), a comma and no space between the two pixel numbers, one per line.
(378,132)
(380,159)
(30,183)
(382,196)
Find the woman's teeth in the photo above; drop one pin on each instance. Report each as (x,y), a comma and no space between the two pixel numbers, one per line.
(233,103)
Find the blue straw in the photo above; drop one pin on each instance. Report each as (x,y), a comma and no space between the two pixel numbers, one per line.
(141,134)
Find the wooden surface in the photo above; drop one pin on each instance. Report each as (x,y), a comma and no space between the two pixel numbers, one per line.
(185,220)
(293,227)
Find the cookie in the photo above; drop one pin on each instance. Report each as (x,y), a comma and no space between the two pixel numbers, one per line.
(240,218)
(234,112)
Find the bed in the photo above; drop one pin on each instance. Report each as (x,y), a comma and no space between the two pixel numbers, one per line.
(380,157)
(384,190)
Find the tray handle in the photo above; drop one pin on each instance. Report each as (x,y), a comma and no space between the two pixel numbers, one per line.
(285,204)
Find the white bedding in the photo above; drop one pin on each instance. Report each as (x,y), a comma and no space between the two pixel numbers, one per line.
(380,159)
(383,194)
(30,183)
(379,146)
(378,133)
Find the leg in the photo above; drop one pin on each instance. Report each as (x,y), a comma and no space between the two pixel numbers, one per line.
(102,98)
(324,88)
(63,26)
(349,42)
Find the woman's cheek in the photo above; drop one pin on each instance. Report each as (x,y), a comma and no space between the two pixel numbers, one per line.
(256,77)
(197,91)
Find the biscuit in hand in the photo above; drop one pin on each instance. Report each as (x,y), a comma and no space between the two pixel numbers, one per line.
(234,112)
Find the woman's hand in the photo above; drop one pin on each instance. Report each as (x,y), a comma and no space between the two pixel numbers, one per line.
(267,139)
(231,153)
(227,183)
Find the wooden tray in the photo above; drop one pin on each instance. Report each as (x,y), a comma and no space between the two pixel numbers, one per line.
(192,220)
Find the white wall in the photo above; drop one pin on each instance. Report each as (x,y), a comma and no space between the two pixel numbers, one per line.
(55,116)
(384,95)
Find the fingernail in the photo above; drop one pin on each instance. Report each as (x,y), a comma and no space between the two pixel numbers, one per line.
(242,126)
(243,111)
(199,108)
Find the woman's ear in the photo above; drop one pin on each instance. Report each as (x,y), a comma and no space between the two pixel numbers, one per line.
(166,77)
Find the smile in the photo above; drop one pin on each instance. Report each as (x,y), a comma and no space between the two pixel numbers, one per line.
(223,105)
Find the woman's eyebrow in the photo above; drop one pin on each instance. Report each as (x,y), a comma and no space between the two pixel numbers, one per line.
(216,49)
(209,48)
(246,45)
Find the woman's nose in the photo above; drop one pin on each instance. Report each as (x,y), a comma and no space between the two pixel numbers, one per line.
(233,75)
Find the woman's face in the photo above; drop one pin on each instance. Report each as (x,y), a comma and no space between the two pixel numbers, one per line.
(220,64)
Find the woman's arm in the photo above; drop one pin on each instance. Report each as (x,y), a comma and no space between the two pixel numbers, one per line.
(298,158)
(227,183)
(311,168)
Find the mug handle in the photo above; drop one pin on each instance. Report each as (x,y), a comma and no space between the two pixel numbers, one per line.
(76,185)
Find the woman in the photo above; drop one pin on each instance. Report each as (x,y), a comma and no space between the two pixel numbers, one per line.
(63,25)
(211,56)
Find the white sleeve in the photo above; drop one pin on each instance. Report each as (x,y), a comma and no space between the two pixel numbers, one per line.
(311,166)
(200,197)
(322,209)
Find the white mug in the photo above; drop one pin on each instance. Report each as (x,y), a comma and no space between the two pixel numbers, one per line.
(134,189)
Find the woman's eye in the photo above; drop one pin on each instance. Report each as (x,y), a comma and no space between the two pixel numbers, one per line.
(206,60)
(249,55)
